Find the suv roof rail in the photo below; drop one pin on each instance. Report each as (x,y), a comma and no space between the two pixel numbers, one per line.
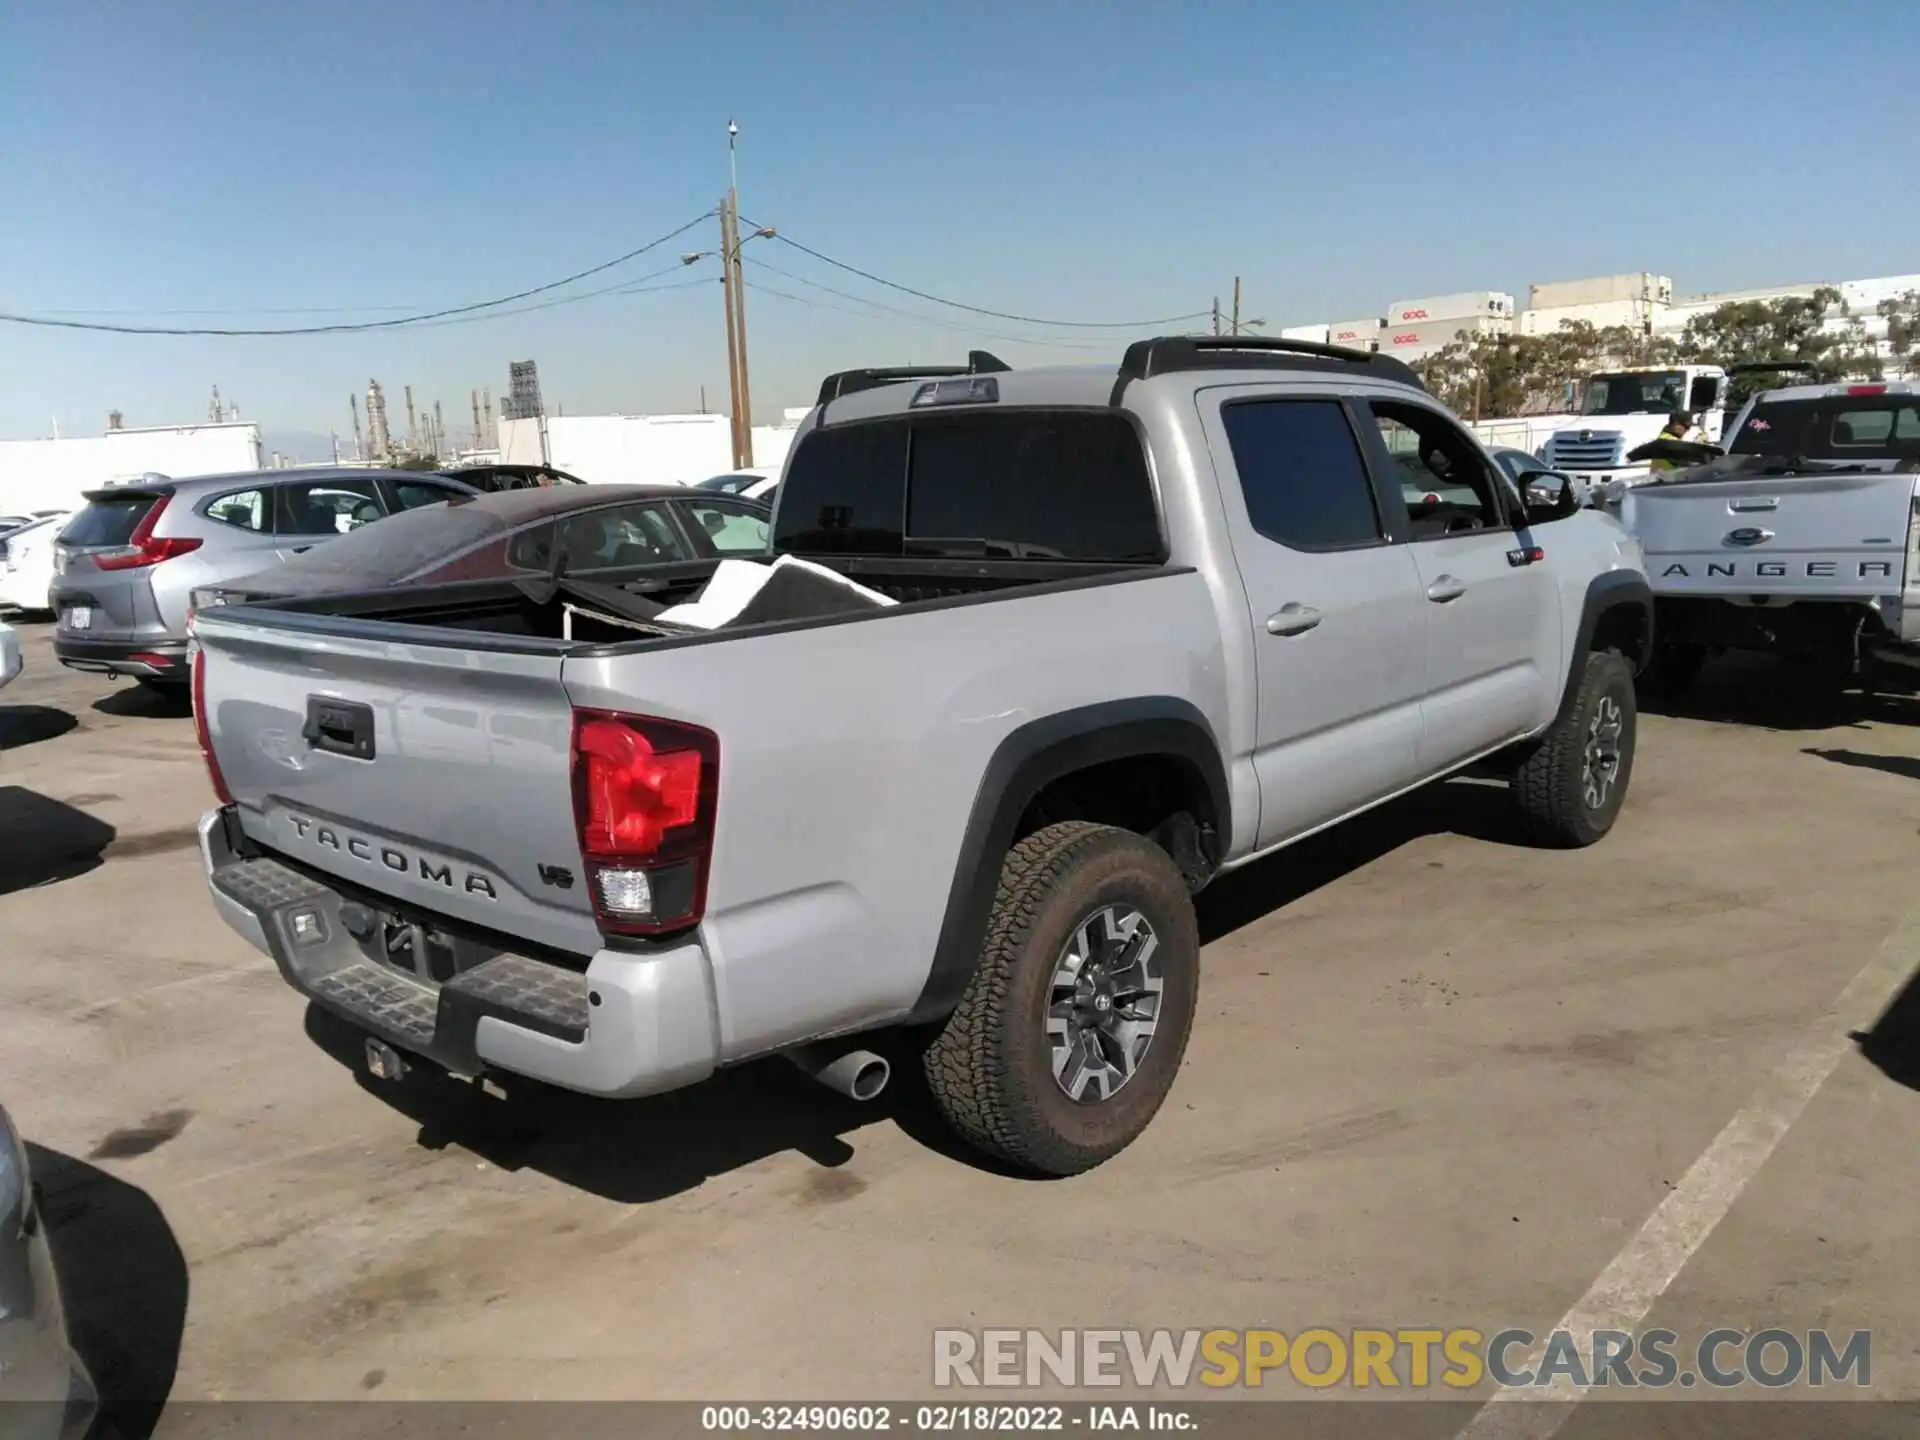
(851,382)
(1147,358)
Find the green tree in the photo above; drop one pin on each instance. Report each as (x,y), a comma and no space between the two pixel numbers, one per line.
(417,462)
(1797,328)
(1903,326)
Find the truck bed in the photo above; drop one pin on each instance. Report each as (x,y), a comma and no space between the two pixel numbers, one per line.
(502,614)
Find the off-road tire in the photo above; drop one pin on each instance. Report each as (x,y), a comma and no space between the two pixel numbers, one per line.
(1548,785)
(989,1069)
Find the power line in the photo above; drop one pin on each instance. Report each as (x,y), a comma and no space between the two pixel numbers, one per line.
(959,327)
(49,322)
(979,309)
(635,286)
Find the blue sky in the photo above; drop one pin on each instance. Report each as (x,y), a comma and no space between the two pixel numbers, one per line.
(1099,161)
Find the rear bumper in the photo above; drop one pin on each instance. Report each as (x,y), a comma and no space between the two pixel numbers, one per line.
(164,659)
(633,1023)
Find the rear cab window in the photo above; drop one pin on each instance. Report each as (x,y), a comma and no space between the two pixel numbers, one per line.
(1833,427)
(109,522)
(1017,484)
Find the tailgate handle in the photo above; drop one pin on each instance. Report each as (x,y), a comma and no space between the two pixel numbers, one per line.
(1768,502)
(342,727)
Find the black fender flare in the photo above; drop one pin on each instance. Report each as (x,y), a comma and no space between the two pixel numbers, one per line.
(1029,759)
(1609,591)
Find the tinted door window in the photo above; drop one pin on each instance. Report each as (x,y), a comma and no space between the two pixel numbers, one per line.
(412,494)
(729,529)
(1302,473)
(244,509)
(606,539)
(326,507)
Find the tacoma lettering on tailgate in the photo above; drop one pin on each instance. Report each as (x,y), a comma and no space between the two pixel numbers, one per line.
(395,859)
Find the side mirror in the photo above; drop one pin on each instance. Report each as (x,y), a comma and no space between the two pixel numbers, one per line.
(1548,496)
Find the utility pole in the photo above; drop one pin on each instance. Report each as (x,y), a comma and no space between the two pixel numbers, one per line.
(353,403)
(1216,314)
(474,395)
(438,431)
(413,425)
(1236,304)
(733,338)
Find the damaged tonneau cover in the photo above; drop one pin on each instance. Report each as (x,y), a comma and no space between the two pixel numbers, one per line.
(739,593)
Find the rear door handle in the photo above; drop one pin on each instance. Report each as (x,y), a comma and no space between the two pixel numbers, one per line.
(1292,618)
(1446,588)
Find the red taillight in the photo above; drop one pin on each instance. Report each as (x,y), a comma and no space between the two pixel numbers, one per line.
(644,794)
(1866,389)
(220,791)
(141,548)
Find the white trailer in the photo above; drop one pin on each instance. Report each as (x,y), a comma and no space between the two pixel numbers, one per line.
(624,449)
(52,474)
(1315,333)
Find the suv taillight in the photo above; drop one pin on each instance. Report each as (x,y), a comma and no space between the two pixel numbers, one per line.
(220,791)
(644,796)
(141,548)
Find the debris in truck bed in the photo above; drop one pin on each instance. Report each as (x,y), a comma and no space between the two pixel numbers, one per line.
(745,592)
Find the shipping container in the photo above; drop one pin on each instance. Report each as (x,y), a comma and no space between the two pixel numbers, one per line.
(1601,314)
(1642,286)
(1403,341)
(1363,334)
(1315,333)
(1450,307)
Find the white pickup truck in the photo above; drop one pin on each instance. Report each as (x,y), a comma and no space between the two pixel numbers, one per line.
(1802,540)
(1136,626)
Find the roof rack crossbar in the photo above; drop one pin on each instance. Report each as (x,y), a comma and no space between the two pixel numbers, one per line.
(851,382)
(1147,358)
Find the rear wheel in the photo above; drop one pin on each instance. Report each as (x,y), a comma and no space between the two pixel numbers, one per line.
(1570,788)
(1072,1029)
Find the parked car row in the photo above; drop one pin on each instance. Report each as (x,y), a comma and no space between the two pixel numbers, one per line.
(1142,625)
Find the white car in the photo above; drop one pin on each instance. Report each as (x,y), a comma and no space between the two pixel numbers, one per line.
(26,563)
(9,653)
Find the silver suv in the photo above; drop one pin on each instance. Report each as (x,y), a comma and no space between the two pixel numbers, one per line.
(126,566)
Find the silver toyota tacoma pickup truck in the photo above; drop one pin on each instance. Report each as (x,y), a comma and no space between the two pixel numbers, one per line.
(1803,539)
(1149,623)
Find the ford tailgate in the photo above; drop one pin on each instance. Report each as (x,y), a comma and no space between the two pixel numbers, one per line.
(1811,536)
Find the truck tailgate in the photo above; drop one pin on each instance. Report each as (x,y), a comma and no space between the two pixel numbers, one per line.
(1817,536)
(436,775)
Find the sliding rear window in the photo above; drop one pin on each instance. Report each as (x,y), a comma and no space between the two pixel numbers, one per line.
(1014,484)
(1834,427)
